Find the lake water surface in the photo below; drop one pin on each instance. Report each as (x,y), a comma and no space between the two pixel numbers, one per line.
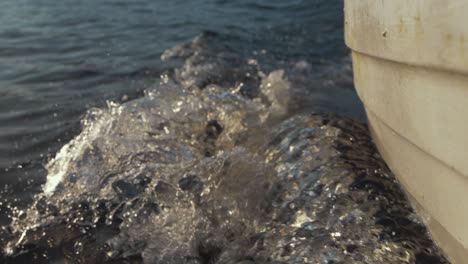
(203,131)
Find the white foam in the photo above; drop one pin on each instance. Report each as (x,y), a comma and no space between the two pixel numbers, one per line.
(59,166)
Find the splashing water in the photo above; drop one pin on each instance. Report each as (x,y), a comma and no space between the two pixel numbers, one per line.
(216,164)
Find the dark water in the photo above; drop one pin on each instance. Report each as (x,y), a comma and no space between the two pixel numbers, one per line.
(57,59)
(190,132)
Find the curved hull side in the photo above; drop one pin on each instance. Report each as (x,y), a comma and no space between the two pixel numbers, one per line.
(416,116)
(421,176)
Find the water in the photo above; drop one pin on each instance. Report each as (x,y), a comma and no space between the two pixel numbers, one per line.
(190,132)
(59,59)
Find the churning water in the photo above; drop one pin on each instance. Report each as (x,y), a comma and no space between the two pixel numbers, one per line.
(241,142)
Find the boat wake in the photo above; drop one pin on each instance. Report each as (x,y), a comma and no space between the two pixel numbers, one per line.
(220,163)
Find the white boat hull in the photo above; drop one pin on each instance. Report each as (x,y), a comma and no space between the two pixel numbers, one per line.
(410,61)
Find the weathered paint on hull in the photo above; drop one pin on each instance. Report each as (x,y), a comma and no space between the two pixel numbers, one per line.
(410,61)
